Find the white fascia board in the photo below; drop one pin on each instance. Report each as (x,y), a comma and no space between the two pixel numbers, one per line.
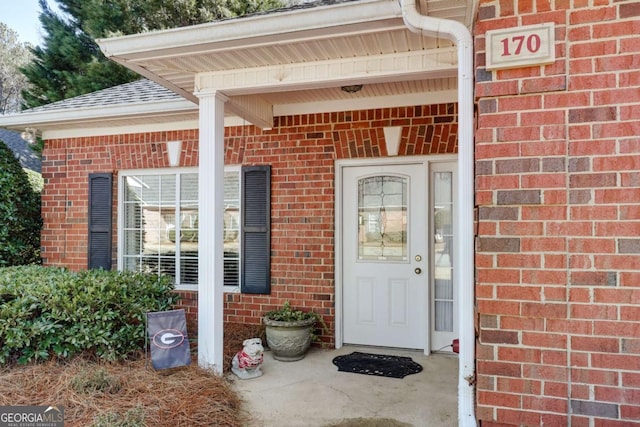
(96,113)
(251,31)
(391,101)
(119,129)
(317,74)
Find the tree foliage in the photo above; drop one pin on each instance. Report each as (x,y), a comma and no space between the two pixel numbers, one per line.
(20,221)
(13,55)
(70,63)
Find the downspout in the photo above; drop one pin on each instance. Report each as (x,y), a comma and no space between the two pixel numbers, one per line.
(464,243)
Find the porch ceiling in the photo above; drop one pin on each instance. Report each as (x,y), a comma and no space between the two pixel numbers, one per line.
(277,63)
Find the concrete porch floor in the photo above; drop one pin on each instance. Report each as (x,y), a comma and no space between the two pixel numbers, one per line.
(313,393)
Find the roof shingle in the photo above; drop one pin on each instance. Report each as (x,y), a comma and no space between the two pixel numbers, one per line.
(142,90)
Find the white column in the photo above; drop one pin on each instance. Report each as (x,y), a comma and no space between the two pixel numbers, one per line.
(211,229)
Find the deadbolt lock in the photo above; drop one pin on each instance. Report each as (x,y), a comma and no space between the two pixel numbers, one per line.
(418,270)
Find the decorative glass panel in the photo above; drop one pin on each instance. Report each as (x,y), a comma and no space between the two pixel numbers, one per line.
(382,218)
(443,253)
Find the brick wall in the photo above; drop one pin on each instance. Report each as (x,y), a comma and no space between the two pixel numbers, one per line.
(558,195)
(302,151)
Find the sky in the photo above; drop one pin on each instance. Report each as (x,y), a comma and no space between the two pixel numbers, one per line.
(22,17)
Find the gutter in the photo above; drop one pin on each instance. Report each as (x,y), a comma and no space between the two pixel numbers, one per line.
(277,26)
(464,243)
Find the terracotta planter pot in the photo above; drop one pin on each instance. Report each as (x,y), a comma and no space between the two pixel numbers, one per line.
(289,341)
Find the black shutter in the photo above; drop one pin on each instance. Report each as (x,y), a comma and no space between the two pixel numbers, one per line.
(100,232)
(256,230)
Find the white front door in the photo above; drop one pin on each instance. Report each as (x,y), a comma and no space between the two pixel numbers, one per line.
(384,238)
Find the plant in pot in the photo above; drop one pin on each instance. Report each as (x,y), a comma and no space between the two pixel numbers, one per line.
(290,332)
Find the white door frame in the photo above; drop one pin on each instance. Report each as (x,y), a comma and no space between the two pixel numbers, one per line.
(339,166)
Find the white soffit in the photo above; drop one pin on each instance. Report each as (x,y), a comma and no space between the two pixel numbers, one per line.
(294,56)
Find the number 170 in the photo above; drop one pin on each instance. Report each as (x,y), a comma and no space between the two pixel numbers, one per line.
(515,44)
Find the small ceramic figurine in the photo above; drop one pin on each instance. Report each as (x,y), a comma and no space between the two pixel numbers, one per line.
(246,364)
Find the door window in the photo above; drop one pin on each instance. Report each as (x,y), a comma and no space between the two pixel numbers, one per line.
(382,218)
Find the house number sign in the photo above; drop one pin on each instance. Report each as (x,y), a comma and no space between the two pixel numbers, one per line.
(520,47)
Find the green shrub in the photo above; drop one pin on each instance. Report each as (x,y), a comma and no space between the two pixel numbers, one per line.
(49,311)
(20,221)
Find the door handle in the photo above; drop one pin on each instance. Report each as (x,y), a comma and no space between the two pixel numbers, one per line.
(418,270)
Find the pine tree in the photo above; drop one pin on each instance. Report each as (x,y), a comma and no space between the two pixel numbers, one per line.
(70,63)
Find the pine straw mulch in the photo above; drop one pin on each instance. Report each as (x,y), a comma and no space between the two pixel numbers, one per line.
(130,393)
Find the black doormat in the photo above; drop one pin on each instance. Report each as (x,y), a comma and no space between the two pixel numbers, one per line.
(377,364)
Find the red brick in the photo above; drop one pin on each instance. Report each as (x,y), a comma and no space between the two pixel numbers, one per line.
(545,404)
(618,329)
(595,376)
(519,103)
(631,379)
(614,361)
(498,120)
(519,417)
(544,84)
(554,357)
(608,262)
(567,99)
(557,16)
(509,400)
(496,150)
(588,311)
(594,212)
(499,276)
(592,49)
(543,181)
(519,354)
(555,292)
(592,15)
(520,228)
(624,95)
(542,244)
(544,213)
(595,344)
(617,394)
(522,323)
(570,326)
(498,307)
(519,260)
(500,368)
(544,340)
(544,277)
(542,372)
(517,385)
(629,10)
(630,279)
(544,117)
(592,245)
(630,412)
(520,133)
